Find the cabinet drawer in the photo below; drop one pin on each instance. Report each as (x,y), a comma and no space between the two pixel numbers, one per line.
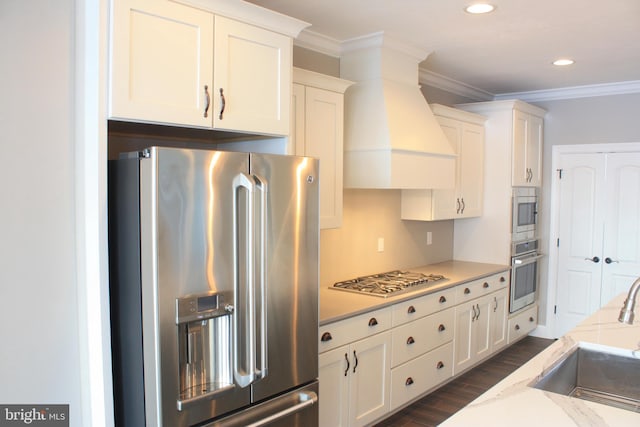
(349,330)
(418,376)
(408,311)
(416,338)
(477,288)
(523,323)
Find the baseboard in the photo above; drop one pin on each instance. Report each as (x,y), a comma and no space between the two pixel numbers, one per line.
(543,331)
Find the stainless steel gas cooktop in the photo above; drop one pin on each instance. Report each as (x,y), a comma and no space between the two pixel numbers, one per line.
(387,284)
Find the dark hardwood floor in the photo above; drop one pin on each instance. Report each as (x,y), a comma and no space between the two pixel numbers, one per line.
(436,407)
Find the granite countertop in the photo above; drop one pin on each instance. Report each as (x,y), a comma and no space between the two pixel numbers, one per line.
(337,305)
(512,402)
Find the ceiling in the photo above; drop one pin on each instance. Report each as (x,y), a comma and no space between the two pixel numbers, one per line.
(507,51)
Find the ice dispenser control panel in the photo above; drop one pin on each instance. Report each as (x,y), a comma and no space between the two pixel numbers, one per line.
(200,307)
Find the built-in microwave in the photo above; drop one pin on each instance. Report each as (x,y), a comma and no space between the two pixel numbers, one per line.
(525,213)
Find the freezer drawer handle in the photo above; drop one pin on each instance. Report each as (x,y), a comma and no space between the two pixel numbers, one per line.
(306,399)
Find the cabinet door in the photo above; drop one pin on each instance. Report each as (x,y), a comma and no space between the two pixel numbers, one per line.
(324,115)
(161,62)
(519,171)
(446,202)
(499,319)
(482,328)
(471,170)
(334,374)
(534,151)
(252,78)
(463,353)
(370,378)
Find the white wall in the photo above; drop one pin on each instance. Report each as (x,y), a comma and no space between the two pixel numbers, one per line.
(594,120)
(38,287)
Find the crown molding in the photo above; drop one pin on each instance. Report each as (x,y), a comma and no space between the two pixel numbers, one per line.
(318,43)
(573,92)
(453,86)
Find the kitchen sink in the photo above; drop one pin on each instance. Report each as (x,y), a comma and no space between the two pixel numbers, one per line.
(597,376)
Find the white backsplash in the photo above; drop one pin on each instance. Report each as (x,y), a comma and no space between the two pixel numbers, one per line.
(368,216)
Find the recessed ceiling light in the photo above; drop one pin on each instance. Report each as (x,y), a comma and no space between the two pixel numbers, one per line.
(563,61)
(480,8)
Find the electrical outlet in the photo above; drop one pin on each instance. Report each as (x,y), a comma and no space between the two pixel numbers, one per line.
(380,244)
(429,238)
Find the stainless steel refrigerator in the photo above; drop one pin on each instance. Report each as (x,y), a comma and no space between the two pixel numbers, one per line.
(214,288)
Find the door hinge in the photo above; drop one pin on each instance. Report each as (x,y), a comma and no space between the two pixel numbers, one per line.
(558,242)
(559,173)
(555,309)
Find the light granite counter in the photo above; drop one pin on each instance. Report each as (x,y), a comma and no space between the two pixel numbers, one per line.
(337,305)
(512,402)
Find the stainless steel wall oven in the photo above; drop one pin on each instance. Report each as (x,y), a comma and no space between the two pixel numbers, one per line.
(524,274)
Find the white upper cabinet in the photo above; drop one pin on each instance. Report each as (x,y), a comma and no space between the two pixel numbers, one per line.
(161,63)
(252,78)
(317,131)
(527,150)
(179,65)
(465,132)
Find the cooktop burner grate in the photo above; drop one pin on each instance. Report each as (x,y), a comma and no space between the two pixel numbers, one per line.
(385,284)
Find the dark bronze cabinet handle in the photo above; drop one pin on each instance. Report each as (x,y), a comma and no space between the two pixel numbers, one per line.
(411,309)
(355,357)
(410,341)
(326,337)
(442,299)
(485,285)
(409,381)
(531,319)
(502,279)
(517,327)
(207,101)
(440,365)
(373,321)
(346,357)
(441,328)
(467,291)
(223,103)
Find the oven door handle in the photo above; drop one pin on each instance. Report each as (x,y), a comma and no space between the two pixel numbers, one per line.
(528,260)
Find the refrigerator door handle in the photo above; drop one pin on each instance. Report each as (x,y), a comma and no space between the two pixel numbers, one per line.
(243,370)
(262,186)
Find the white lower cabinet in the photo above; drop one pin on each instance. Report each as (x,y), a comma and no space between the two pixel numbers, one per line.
(379,361)
(354,382)
(522,323)
(481,316)
(421,374)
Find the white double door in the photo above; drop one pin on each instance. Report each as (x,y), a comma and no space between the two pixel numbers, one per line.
(598,231)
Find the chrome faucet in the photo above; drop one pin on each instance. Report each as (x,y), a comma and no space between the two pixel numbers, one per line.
(626,313)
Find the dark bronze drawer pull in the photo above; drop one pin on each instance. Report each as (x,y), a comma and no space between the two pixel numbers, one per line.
(485,285)
(502,279)
(467,291)
(440,365)
(346,357)
(373,321)
(517,327)
(442,299)
(441,328)
(531,319)
(409,381)
(326,337)
(410,341)
(411,309)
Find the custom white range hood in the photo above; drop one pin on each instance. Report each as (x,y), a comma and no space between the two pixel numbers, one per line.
(391,139)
